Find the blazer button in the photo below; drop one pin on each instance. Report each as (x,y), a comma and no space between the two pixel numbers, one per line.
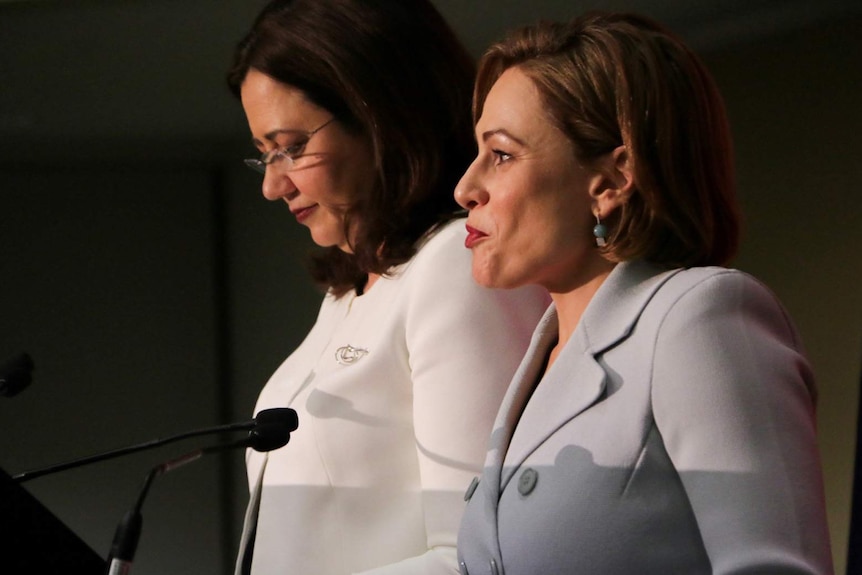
(463,568)
(470,490)
(527,481)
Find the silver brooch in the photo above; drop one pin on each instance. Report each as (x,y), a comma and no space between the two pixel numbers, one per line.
(348,355)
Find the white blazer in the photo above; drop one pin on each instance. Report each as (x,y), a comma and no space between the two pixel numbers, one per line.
(675,433)
(396,391)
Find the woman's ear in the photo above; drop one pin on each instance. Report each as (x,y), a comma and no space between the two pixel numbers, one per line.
(615,184)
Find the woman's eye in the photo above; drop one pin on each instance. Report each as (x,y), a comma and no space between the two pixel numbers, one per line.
(293,150)
(500,157)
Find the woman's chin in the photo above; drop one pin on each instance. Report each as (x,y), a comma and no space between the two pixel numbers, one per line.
(330,241)
(492,279)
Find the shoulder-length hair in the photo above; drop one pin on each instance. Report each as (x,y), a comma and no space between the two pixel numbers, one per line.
(614,79)
(395,72)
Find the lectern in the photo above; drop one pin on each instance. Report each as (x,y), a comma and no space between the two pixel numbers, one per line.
(33,541)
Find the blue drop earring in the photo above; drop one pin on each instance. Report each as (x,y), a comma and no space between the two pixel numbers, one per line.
(600,232)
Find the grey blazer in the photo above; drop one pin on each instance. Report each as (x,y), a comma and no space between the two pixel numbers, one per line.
(675,433)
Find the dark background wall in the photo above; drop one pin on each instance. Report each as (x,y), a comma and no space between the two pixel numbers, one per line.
(156,290)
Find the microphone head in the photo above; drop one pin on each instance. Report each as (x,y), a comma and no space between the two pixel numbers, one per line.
(283,416)
(16,375)
(272,429)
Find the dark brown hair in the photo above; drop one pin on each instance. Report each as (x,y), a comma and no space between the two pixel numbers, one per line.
(614,79)
(394,71)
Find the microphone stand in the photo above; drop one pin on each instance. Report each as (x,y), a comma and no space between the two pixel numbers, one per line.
(128,531)
(33,474)
(271,430)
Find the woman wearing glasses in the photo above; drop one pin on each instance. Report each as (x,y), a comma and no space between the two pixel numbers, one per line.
(361,111)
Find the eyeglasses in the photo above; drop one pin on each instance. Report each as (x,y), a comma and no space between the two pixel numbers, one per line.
(292,155)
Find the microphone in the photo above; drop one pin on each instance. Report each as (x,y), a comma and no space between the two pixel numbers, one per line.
(272,431)
(266,425)
(15,375)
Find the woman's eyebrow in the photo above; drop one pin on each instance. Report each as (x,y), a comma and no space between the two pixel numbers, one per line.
(270,136)
(488,134)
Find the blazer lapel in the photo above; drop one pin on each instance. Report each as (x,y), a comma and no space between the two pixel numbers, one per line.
(576,380)
(619,303)
(559,397)
(517,396)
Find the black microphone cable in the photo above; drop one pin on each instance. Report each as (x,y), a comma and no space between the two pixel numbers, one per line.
(265,417)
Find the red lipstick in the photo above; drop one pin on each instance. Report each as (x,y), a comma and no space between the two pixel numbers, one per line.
(473,236)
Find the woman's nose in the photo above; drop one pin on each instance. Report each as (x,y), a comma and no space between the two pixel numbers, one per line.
(469,193)
(277,185)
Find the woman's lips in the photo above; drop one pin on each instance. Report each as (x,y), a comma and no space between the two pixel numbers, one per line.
(473,236)
(302,213)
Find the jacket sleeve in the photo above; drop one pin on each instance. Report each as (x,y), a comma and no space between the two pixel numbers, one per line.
(733,397)
(464,344)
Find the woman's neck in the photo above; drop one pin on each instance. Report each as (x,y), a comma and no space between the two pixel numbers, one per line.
(571,306)
(372,279)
